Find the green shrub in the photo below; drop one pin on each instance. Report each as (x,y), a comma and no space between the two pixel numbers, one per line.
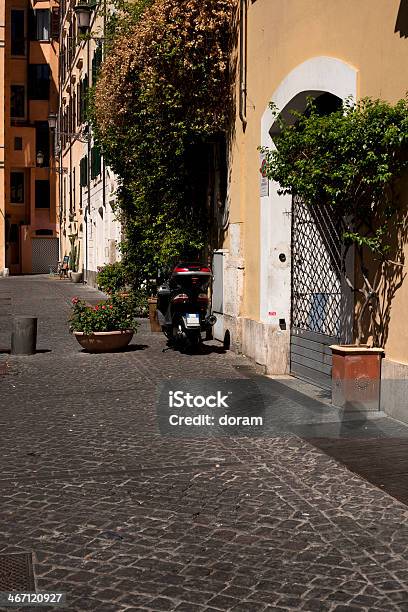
(112,278)
(351,161)
(164,95)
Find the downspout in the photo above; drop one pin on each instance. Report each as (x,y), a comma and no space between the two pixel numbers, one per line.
(57,137)
(88,206)
(58,151)
(243,23)
(103,158)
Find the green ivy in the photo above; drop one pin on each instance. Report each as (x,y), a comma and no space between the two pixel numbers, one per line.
(351,160)
(164,91)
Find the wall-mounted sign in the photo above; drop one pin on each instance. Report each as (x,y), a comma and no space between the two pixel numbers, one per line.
(264,181)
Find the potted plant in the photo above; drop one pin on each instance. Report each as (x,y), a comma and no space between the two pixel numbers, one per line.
(76,276)
(106,327)
(351,161)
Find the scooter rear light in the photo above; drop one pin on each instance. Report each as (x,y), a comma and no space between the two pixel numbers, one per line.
(181,298)
(202,297)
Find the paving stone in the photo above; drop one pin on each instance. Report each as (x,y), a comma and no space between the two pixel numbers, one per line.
(121,518)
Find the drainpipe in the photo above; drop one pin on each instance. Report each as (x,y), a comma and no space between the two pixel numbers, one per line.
(103,159)
(243,23)
(57,138)
(88,207)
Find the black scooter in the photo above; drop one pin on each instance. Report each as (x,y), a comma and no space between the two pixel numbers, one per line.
(183,305)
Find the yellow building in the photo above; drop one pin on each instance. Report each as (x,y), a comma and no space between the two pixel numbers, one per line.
(291,49)
(28,180)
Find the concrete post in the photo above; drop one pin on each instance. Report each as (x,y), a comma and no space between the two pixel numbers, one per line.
(24,336)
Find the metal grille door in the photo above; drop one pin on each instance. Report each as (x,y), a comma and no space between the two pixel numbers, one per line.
(316,291)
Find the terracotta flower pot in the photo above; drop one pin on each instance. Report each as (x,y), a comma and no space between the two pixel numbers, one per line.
(104,342)
(356,377)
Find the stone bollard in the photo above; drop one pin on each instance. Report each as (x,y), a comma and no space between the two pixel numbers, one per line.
(24,336)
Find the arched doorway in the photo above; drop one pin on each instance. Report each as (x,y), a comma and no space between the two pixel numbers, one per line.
(298,297)
(316,279)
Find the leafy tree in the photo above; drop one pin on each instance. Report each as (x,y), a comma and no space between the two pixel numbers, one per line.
(164,89)
(351,160)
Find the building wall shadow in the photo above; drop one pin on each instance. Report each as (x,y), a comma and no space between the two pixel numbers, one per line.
(401,25)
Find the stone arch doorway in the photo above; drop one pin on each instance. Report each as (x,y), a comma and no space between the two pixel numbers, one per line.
(329,81)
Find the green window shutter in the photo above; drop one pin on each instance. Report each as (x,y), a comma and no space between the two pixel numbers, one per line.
(96,63)
(98,161)
(83,171)
(83,92)
(95,162)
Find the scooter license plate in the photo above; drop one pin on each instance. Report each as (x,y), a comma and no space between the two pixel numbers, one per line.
(193,320)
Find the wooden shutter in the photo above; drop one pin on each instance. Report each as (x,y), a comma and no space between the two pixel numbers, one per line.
(55,22)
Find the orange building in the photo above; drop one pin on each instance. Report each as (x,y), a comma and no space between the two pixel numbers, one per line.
(28,175)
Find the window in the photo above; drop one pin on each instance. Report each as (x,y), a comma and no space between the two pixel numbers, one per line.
(83,100)
(17,110)
(74,114)
(42,194)
(13,236)
(95,162)
(17,187)
(43,232)
(42,140)
(42,24)
(17,32)
(96,63)
(18,143)
(38,81)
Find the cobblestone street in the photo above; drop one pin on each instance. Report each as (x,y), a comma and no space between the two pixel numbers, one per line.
(122,518)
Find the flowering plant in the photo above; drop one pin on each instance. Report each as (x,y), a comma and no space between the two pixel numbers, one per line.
(115,314)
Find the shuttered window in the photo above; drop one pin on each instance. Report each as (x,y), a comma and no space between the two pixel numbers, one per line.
(95,162)
(83,171)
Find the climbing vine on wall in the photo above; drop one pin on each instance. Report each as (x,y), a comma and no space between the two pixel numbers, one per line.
(164,90)
(354,160)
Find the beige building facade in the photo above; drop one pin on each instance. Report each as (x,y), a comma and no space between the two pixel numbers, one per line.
(291,49)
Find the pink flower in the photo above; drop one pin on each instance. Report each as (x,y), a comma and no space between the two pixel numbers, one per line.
(75,300)
(103,307)
(96,308)
(111,306)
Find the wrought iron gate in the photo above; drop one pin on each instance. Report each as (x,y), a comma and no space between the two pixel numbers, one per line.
(316,291)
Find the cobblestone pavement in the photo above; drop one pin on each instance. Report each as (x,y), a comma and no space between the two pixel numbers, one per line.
(121,518)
